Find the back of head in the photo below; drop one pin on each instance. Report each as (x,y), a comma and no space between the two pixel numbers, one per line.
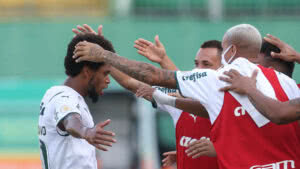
(246,38)
(280,65)
(71,67)
(213,44)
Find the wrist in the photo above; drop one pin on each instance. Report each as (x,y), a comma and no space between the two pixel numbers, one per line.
(85,133)
(163,98)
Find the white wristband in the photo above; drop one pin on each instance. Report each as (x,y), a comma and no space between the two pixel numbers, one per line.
(163,98)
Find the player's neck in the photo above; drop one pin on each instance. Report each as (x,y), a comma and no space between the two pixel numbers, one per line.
(76,84)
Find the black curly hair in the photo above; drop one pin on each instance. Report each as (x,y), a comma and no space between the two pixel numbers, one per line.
(71,67)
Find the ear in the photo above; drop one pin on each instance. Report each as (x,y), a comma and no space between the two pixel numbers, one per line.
(234,50)
(87,72)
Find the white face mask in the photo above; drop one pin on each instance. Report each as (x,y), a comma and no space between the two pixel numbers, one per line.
(223,61)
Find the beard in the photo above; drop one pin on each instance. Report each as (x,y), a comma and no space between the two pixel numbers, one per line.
(92,93)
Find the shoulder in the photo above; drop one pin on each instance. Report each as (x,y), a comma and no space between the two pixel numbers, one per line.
(288,84)
(59,94)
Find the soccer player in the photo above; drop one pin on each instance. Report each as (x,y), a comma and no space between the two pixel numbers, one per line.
(235,120)
(277,112)
(190,129)
(67,134)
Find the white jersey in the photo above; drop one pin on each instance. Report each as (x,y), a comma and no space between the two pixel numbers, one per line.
(59,150)
(204,85)
(174,112)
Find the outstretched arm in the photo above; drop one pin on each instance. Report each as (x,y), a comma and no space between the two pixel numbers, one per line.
(144,72)
(276,111)
(154,52)
(96,136)
(188,105)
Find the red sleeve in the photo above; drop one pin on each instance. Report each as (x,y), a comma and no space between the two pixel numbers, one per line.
(299,86)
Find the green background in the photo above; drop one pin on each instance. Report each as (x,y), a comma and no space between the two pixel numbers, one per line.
(32,53)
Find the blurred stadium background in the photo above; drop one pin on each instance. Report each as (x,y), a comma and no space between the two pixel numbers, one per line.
(33,39)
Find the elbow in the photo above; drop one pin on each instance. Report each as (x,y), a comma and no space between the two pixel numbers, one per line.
(279,118)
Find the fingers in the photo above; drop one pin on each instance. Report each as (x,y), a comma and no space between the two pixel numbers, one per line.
(157,42)
(75,31)
(277,55)
(273,40)
(88,29)
(144,42)
(79,56)
(169,153)
(226,88)
(142,53)
(100,33)
(203,153)
(234,72)
(140,48)
(82,29)
(226,79)
(103,124)
(254,74)
(100,147)
(105,143)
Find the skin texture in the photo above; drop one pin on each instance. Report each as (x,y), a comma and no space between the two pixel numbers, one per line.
(276,111)
(157,54)
(87,79)
(154,52)
(208,58)
(96,136)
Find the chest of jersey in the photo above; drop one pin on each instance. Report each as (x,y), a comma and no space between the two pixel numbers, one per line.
(190,128)
(234,131)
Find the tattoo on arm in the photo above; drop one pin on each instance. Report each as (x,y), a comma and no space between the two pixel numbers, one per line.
(296,103)
(144,72)
(73,125)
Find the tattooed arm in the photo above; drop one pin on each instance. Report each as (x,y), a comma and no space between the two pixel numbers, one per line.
(276,111)
(96,136)
(144,72)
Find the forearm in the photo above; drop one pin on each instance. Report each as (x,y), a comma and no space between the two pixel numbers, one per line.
(191,106)
(167,63)
(276,111)
(73,125)
(144,72)
(126,81)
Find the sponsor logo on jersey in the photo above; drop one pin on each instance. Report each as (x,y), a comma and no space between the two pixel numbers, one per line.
(193,77)
(166,90)
(239,111)
(287,164)
(185,141)
(194,117)
(65,109)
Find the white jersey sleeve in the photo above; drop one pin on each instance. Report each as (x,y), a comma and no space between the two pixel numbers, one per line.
(65,105)
(202,85)
(174,112)
(289,86)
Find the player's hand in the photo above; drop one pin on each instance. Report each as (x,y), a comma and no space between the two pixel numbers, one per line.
(87,29)
(202,147)
(287,52)
(99,137)
(238,83)
(86,51)
(145,91)
(169,158)
(176,94)
(154,52)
